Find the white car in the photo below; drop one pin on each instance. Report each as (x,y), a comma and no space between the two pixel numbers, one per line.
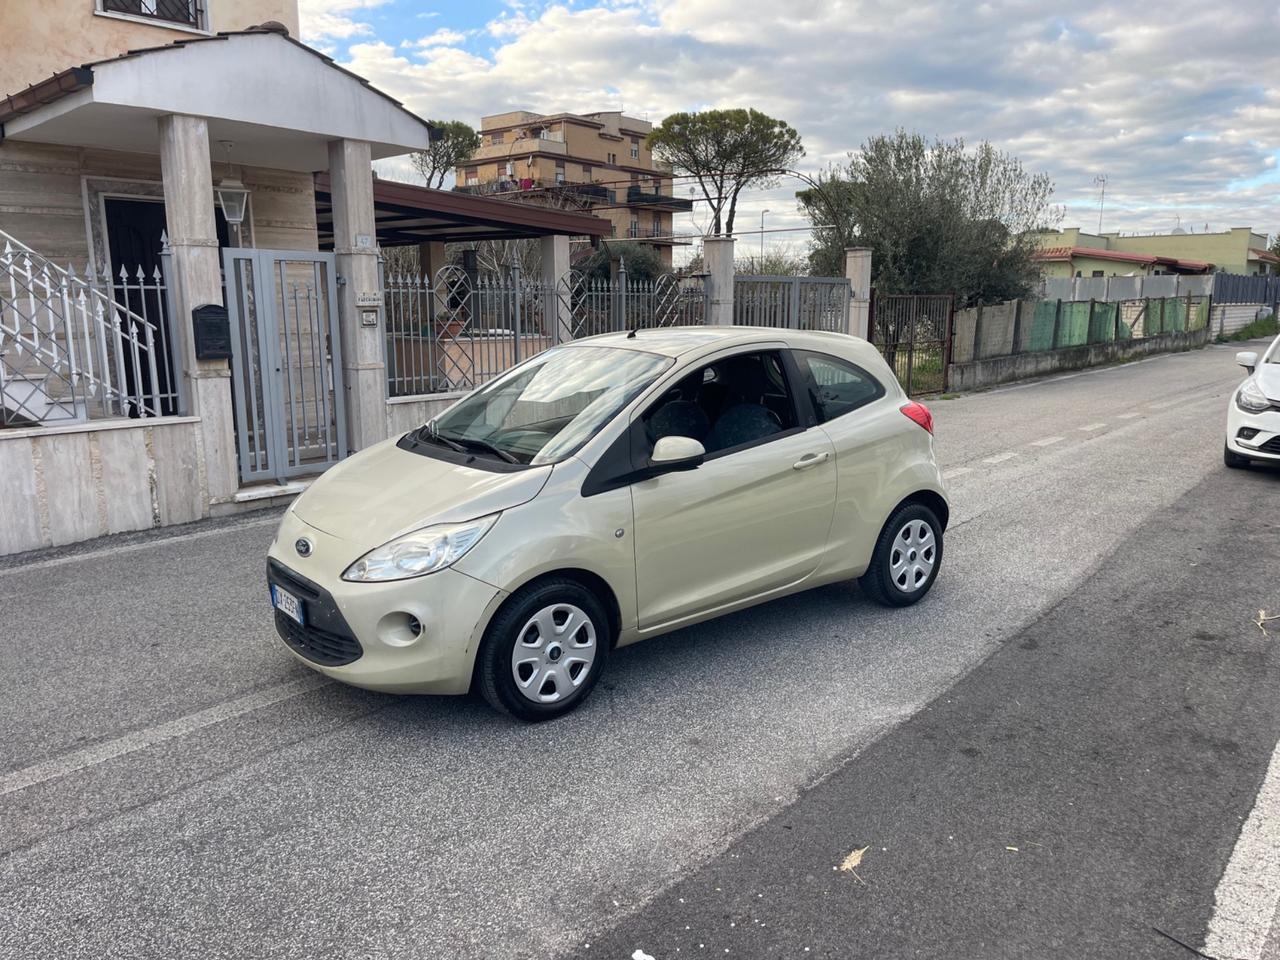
(1253,415)
(601,493)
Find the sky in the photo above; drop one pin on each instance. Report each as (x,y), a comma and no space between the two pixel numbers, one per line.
(1177,105)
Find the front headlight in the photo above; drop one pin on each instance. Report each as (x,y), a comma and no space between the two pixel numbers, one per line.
(1251,399)
(418,553)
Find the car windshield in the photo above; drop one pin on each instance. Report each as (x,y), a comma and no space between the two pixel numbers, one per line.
(545,410)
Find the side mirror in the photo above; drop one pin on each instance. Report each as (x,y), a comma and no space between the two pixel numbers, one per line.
(676,453)
(1247,359)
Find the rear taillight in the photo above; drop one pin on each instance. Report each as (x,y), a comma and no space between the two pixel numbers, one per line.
(919,413)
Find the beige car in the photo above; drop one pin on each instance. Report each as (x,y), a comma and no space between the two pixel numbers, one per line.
(603,492)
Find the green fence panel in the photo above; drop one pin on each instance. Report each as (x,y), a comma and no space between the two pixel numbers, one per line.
(1074,328)
(1041,334)
(1102,329)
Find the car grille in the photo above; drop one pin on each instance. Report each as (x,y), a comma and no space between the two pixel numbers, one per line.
(1272,445)
(318,646)
(326,639)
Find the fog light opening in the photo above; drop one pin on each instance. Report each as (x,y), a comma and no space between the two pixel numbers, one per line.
(400,629)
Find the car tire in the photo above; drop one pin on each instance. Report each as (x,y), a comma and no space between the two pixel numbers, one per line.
(907,558)
(563,633)
(1233,459)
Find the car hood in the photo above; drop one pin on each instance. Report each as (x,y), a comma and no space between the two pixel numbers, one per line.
(1268,377)
(384,491)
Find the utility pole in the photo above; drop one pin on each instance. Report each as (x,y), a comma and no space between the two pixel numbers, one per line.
(762,213)
(1100,181)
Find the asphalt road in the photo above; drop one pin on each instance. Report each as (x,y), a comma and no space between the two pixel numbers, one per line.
(173,784)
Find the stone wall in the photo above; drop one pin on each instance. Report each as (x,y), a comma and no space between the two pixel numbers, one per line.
(986,373)
(64,484)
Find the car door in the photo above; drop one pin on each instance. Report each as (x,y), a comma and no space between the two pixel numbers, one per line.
(751,519)
(865,426)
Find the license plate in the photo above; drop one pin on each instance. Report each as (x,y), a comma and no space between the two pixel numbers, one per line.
(288,604)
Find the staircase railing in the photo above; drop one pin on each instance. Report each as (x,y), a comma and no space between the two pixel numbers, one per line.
(80,346)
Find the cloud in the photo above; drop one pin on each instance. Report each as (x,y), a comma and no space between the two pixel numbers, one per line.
(1181,112)
(444,37)
(323,21)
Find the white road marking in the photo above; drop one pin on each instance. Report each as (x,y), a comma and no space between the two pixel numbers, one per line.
(1090,427)
(1046,441)
(146,544)
(1247,895)
(1000,458)
(1129,416)
(78,760)
(956,472)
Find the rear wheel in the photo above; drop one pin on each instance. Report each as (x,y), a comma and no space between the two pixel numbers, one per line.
(907,557)
(544,650)
(1233,459)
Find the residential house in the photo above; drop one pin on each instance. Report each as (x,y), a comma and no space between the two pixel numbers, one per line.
(599,161)
(191,310)
(1074,253)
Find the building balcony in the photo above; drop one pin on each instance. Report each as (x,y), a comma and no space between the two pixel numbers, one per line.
(656,235)
(520,147)
(639,197)
(512,186)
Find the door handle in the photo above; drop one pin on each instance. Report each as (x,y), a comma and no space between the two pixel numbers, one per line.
(810,460)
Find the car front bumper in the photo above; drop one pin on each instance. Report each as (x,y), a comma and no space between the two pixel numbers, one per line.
(358,633)
(1263,445)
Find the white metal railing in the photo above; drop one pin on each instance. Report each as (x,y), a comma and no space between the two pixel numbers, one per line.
(80,346)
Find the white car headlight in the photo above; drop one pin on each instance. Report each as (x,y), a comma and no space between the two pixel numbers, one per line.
(1251,399)
(418,553)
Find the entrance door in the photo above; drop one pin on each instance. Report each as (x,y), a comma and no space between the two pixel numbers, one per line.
(286,358)
(135,236)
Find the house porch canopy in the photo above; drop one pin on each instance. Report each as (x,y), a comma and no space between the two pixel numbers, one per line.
(276,99)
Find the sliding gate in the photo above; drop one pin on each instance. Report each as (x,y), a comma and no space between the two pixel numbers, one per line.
(286,362)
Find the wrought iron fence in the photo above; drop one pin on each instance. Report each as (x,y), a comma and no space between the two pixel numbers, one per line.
(913,332)
(81,346)
(796,303)
(457,330)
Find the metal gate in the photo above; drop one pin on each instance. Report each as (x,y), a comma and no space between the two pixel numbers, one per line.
(286,358)
(913,331)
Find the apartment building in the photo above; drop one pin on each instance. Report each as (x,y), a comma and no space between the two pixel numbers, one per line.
(598,161)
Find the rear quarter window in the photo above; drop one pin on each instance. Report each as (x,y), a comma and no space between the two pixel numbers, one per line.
(836,387)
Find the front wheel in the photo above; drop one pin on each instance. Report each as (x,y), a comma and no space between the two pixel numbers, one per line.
(1233,459)
(544,650)
(907,558)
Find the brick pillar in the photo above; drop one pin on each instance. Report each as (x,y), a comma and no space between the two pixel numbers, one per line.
(364,372)
(717,256)
(555,268)
(196,280)
(857,269)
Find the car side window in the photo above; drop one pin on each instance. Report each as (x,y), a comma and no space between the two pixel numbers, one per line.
(732,402)
(835,386)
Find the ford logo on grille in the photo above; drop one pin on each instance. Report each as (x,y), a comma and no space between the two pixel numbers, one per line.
(303,546)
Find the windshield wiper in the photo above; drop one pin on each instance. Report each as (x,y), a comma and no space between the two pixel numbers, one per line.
(473,443)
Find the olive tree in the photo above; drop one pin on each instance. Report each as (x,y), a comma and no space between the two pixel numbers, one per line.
(726,151)
(938,217)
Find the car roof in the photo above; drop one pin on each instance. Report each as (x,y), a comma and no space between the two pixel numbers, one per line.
(679,341)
